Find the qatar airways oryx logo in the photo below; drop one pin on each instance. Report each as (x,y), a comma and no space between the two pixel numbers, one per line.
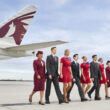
(16,28)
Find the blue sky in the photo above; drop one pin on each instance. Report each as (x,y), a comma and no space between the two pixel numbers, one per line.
(85,24)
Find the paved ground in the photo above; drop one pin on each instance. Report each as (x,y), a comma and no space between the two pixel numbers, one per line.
(14,96)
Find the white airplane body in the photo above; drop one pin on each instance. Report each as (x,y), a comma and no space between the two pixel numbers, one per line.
(12,32)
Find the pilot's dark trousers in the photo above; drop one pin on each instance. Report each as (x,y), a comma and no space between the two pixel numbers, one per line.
(81,93)
(95,87)
(56,86)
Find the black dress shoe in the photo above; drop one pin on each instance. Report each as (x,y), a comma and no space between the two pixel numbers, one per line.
(47,102)
(69,99)
(97,98)
(89,95)
(84,99)
(107,97)
(41,103)
(60,102)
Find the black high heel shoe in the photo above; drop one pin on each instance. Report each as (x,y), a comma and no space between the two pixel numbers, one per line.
(41,103)
(30,100)
(66,102)
(107,97)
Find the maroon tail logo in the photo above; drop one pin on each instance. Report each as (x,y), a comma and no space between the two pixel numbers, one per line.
(19,30)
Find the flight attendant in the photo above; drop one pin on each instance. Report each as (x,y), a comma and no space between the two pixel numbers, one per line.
(103,78)
(76,80)
(52,76)
(108,73)
(95,75)
(85,77)
(39,77)
(66,73)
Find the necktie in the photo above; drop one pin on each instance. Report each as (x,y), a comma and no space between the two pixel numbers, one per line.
(76,64)
(55,58)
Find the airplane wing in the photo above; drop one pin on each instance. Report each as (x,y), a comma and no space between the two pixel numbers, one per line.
(34,46)
(26,50)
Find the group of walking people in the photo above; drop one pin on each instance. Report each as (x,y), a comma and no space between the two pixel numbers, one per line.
(93,72)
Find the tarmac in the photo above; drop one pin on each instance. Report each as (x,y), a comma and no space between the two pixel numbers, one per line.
(14,96)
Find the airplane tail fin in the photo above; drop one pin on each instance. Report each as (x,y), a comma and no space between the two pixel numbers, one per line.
(14,29)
